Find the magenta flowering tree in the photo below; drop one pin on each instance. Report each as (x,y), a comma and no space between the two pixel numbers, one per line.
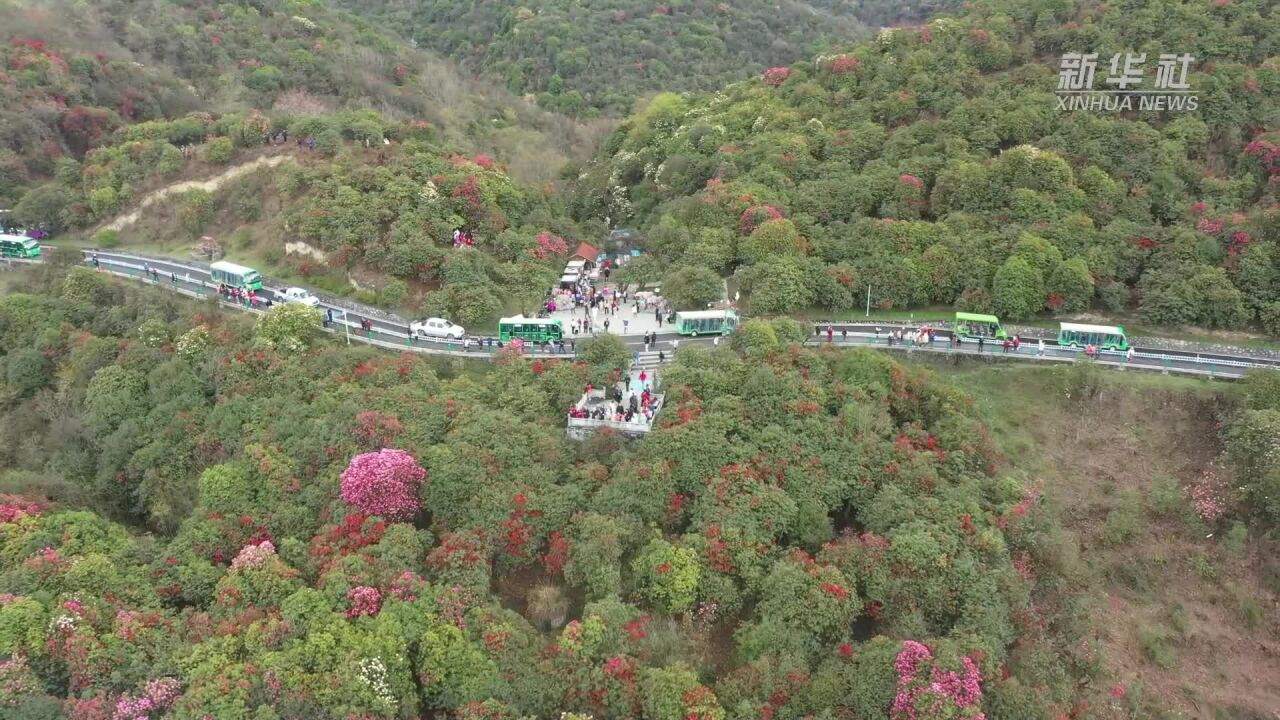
(156,698)
(364,600)
(926,691)
(254,555)
(383,483)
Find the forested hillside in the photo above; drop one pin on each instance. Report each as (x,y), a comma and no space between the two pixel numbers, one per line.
(71,74)
(582,58)
(933,165)
(805,532)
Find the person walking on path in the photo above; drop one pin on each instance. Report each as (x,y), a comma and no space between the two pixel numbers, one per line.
(830,332)
(1040,347)
(1128,357)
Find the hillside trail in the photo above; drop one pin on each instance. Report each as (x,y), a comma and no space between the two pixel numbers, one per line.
(210,185)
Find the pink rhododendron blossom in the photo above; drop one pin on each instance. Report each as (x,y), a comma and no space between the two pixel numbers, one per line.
(775,76)
(383,483)
(940,692)
(252,556)
(549,245)
(1209,226)
(364,600)
(14,508)
(157,697)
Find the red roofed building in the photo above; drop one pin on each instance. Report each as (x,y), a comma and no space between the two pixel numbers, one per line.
(586,252)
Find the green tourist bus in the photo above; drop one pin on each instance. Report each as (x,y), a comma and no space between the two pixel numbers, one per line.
(973,325)
(18,246)
(530,329)
(706,322)
(1107,337)
(235,275)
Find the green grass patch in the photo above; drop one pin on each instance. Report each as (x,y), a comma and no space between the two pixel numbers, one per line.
(1157,647)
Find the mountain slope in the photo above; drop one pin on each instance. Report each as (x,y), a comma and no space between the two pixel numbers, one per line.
(934,166)
(72,73)
(597,56)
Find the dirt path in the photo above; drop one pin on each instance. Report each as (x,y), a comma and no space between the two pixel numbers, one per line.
(210,185)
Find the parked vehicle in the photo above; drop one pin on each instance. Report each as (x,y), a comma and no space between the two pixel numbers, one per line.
(530,329)
(706,322)
(233,275)
(437,328)
(297,295)
(19,246)
(1109,337)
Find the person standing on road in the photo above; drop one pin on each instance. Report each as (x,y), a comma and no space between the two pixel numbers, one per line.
(95,262)
(1128,357)
(830,332)
(981,342)
(1040,347)
(328,317)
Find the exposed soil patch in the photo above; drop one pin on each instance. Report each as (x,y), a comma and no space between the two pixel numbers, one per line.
(1185,617)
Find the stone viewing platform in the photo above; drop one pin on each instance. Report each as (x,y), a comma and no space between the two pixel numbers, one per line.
(629,407)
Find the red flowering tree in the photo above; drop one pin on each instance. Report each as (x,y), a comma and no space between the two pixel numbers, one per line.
(754,217)
(383,483)
(775,76)
(844,64)
(548,245)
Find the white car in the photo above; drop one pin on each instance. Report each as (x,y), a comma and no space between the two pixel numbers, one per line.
(298,295)
(437,328)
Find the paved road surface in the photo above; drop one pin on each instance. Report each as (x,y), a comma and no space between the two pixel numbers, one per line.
(192,278)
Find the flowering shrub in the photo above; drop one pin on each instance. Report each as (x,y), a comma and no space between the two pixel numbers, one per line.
(364,600)
(1209,226)
(940,693)
(383,483)
(157,697)
(549,245)
(754,217)
(374,429)
(14,508)
(252,556)
(844,64)
(1267,153)
(775,76)
(194,342)
(373,672)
